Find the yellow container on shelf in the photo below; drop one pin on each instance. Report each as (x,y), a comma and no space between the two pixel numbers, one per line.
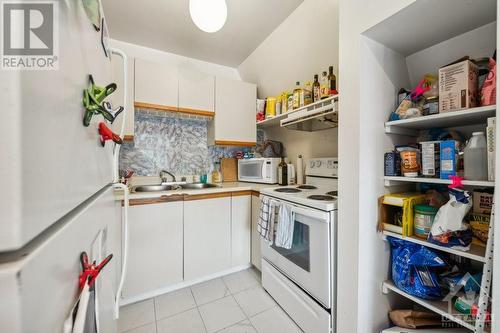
(271,107)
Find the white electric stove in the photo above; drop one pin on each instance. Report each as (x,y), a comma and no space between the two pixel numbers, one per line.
(302,279)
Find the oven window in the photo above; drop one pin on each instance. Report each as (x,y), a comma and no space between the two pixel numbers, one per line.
(299,253)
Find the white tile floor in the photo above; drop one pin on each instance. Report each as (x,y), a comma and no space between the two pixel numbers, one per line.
(235,303)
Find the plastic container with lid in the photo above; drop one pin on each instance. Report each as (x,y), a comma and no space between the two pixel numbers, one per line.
(476,158)
(423,219)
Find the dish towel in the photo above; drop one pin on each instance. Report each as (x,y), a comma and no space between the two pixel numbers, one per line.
(286,222)
(267,219)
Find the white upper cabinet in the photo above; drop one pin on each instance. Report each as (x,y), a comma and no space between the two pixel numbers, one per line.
(156,84)
(196,91)
(234,122)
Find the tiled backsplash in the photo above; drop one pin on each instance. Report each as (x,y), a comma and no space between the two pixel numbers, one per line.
(170,141)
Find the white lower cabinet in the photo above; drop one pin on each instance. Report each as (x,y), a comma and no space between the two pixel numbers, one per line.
(155,257)
(241,224)
(207,237)
(256,253)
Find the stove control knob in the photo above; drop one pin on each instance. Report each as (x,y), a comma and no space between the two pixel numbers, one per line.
(318,163)
(311,164)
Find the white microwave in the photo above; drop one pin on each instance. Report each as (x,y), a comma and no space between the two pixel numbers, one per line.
(258,170)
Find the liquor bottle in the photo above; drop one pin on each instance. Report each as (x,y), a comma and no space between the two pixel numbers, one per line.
(308,93)
(316,89)
(324,86)
(333,82)
(283,172)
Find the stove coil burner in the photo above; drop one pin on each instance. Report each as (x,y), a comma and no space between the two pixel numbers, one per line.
(334,193)
(288,190)
(321,197)
(307,187)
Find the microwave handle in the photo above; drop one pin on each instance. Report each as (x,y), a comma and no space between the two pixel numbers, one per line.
(317,215)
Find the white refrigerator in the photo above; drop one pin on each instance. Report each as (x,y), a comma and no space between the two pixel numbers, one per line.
(57,196)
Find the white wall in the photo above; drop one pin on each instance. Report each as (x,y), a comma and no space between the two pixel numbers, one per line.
(303,45)
(306,43)
(355,304)
(477,43)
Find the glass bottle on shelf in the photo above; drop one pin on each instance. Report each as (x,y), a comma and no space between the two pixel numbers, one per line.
(332,82)
(316,89)
(283,172)
(324,86)
(297,96)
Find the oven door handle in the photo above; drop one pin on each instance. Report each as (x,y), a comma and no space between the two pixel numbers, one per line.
(315,214)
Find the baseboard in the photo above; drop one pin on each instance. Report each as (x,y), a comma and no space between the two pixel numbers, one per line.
(184,284)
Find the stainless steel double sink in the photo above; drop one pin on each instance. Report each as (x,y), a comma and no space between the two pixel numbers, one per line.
(172,186)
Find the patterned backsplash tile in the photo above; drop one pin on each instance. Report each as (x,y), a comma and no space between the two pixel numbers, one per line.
(171,141)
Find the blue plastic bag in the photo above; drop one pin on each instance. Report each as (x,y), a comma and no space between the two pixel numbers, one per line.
(414,269)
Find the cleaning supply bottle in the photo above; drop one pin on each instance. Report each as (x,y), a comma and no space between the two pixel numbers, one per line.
(476,158)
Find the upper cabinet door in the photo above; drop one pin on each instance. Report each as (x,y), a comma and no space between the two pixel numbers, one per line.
(235,122)
(117,97)
(196,92)
(156,84)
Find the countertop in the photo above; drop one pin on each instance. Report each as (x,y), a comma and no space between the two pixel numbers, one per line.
(224,187)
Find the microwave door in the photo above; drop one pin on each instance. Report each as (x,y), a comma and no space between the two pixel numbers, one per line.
(251,170)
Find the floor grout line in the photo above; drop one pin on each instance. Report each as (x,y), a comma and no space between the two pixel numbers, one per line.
(198,310)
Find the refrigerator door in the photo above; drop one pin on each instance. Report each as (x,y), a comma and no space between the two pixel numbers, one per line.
(50,162)
(39,283)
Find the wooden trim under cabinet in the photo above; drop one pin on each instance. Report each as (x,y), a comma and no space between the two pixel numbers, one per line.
(191,197)
(166,108)
(241,193)
(235,143)
(149,201)
(255,193)
(128,138)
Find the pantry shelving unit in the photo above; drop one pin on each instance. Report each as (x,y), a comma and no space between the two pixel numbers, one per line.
(476,252)
(397,180)
(465,117)
(396,52)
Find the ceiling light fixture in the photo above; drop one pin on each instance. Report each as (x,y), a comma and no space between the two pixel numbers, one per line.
(208,15)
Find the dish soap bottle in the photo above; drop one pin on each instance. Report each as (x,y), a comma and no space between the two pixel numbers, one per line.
(475,158)
(216,174)
(283,172)
(297,95)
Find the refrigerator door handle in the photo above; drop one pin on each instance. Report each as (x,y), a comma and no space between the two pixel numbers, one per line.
(116,150)
(124,245)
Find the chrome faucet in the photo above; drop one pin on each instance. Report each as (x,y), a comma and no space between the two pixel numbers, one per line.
(163,176)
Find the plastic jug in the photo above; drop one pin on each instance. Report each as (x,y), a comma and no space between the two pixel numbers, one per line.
(475,158)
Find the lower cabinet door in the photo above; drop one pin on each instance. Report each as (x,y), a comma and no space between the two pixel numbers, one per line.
(155,255)
(256,252)
(207,237)
(240,230)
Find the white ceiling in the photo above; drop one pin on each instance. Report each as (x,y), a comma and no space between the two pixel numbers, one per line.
(166,25)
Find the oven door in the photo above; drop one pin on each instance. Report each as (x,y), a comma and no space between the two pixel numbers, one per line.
(308,262)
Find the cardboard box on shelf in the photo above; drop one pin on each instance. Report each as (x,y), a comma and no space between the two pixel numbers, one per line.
(482,201)
(396,212)
(458,86)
